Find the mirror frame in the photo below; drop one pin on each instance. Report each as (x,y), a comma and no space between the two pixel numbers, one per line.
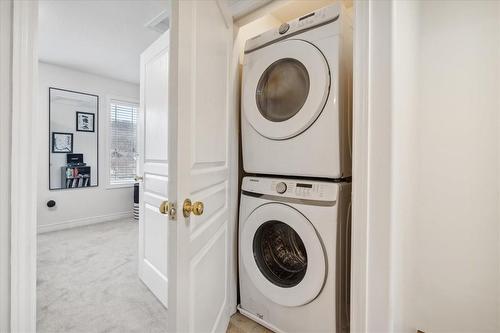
(96,131)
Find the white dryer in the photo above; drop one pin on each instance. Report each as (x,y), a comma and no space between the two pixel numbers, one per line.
(294,254)
(296,97)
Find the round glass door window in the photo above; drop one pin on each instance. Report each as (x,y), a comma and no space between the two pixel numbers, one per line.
(282,90)
(280,254)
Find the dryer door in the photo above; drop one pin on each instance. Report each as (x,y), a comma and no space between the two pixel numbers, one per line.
(285,88)
(283,255)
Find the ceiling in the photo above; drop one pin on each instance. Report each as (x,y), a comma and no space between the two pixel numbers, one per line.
(103,37)
(240,8)
(106,37)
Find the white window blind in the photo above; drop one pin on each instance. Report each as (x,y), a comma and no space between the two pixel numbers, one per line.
(123,142)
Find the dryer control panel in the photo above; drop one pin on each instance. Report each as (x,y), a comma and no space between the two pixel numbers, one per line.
(319,17)
(291,188)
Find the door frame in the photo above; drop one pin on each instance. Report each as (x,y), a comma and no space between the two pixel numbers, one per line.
(371,287)
(23,53)
(371,124)
(5,155)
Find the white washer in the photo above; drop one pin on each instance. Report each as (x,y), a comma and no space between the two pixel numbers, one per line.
(294,251)
(296,97)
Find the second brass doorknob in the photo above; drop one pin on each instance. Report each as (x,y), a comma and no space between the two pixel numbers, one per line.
(192,207)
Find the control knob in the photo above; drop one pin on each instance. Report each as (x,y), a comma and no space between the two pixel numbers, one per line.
(281,188)
(283,28)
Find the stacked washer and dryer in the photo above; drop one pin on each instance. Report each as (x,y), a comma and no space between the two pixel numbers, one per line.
(294,227)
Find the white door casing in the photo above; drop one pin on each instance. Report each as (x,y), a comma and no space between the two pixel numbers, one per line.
(153,167)
(200,90)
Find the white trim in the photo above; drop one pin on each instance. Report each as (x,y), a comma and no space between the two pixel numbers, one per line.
(5,156)
(118,186)
(125,100)
(360,167)
(159,23)
(23,170)
(69,224)
(234,173)
(371,226)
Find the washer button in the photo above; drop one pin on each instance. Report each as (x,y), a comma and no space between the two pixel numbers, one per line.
(281,188)
(283,28)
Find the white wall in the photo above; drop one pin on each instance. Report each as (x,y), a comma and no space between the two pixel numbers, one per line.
(445,263)
(85,205)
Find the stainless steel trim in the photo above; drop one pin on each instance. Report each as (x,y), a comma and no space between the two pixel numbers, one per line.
(291,34)
(278,198)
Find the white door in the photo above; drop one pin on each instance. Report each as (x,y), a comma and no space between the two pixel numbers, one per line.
(200,104)
(153,167)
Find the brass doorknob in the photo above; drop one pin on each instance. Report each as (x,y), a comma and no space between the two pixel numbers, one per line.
(138,178)
(165,207)
(192,207)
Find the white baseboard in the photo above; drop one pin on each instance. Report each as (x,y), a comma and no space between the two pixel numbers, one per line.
(83,221)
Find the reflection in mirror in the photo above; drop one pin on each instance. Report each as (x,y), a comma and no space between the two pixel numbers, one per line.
(73,139)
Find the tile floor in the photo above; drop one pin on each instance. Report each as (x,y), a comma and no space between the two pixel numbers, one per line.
(241,324)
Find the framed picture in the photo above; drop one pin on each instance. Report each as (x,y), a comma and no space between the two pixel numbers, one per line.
(62,142)
(85,122)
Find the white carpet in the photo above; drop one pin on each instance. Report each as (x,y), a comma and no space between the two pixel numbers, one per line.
(87,282)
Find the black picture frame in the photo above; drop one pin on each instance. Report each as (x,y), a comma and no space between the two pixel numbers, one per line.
(54,148)
(90,115)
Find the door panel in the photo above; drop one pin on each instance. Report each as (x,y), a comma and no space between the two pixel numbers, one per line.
(156,117)
(215,199)
(199,259)
(155,183)
(205,318)
(153,166)
(210,147)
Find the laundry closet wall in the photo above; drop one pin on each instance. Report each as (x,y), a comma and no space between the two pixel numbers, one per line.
(87,205)
(445,258)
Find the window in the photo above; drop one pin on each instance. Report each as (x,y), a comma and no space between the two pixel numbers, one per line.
(122,142)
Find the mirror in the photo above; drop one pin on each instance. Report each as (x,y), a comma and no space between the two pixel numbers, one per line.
(73,138)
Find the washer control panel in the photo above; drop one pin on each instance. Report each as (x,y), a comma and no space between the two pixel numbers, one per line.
(306,22)
(291,188)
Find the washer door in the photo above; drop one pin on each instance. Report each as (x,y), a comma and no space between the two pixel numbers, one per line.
(283,255)
(286,89)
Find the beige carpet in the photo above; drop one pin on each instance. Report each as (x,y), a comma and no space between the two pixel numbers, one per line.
(87,282)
